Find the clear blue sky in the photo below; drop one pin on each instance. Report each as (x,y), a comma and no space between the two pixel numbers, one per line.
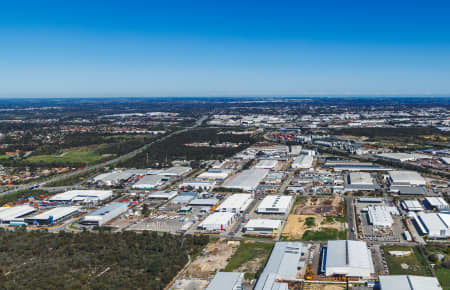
(201,48)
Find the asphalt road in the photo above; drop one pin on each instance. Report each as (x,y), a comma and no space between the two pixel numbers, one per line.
(107,163)
(350,219)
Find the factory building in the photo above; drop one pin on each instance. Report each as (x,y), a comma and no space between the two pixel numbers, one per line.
(116,177)
(348,258)
(218,221)
(247,180)
(215,174)
(204,202)
(163,195)
(406,178)
(262,227)
(8,214)
(353,166)
(104,214)
(226,281)
(83,196)
(184,197)
(283,264)
(399,157)
(303,162)
(149,182)
(176,171)
(437,203)
(197,184)
(411,205)
(266,164)
(434,225)
(236,203)
(53,216)
(360,181)
(380,216)
(275,204)
(409,282)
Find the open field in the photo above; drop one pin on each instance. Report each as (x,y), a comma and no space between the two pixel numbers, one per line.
(414,264)
(314,226)
(443,275)
(317,286)
(214,258)
(442,272)
(324,206)
(79,156)
(250,258)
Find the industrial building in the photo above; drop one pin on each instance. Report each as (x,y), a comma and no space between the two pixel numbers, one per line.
(380,216)
(262,227)
(346,165)
(116,177)
(348,258)
(226,281)
(184,197)
(7,214)
(163,195)
(177,171)
(406,178)
(409,282)
(360,181)
(247,180)
(437,203)
(204,202)
(236,203)
(197,184)
(53,216)
(411,205)
(83,196)
(434,225)
(303,162)
(218,221)
(283,264)
(104,214)
(149,182)
(266,164)
(407,190)
(215,174)
(399,157)
(275,204)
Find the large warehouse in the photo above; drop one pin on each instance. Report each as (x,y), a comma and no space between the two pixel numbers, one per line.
(236,203)
(247,180)
(215,174)
(303,162)
(105,214)
(434,225)
(149,182)
(266,164)
(83,196)
(437,203)
(53,216)
(275,204)
(411,205)
(348,258)
(360,181)
(163,195)
(7,214)
(404,177)
(409,282)
(262,227)
(218,221)
(380,216)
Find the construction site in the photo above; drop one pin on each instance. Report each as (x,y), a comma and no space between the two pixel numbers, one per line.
(333,206)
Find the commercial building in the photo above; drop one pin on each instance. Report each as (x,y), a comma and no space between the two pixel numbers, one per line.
(404,177)
(275,204)
(409,282)
(348,258)
(104,214)
(218,221)
(149,182)
(437,203)
(236,203)
(83,196)
(163,195)
(266,164)
(434,225)
(226,281)
(247,180)
(215,174)
(53,216)
(262,227)
(7,214)
(380,216)
(283,264)
(411,205)
(303,162)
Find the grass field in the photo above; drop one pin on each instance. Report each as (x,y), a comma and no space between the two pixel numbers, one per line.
(443,275)
(246,254)
(416,262)
(83,156)
(324,234)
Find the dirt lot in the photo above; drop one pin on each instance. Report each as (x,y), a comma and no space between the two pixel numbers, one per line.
(315,286)
(295,226)
(333,206)
(215,257)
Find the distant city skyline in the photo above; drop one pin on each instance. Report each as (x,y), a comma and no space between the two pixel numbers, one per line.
(232,48)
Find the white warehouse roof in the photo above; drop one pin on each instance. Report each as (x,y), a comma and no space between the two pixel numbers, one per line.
(437,202)
(255,224)
(412,205)
(238,202)
(380,216)
(217,221)
(303,162)
(215,174)
(266,164)
(435,225)
(56,213)
(350,258)
(279,204)
(406,177)
(360,178)
(247,180)
(149,182)
(408,282)
(9,213)
(70,195)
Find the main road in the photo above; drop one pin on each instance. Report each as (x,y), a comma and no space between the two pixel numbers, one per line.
(107,163)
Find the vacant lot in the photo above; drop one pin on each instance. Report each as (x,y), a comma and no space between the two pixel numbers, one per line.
(441,270)
(80,156)
(298,225)
(414,264)
(250,258)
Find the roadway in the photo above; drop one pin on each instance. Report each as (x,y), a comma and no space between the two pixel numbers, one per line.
(104,164)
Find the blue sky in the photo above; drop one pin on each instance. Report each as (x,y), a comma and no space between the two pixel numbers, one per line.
(221,48)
